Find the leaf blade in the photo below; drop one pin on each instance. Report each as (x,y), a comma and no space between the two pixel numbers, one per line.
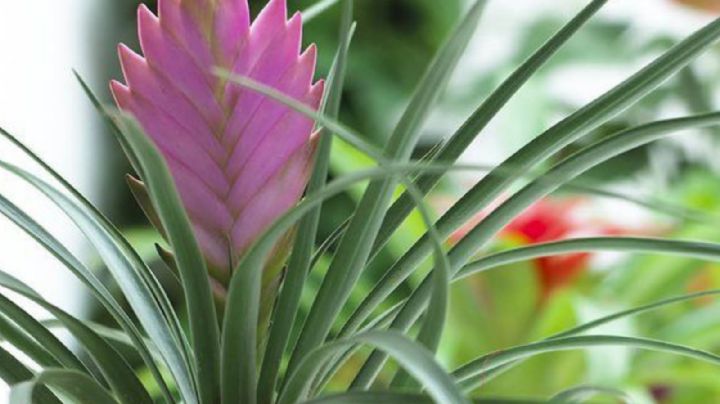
(470,374)
(461,139)
(72,384)
(88,278)
(191,266)
(563,172)
(114,368)
(123,262)
(411,356)
(356,244)
(549,142)
(299,264)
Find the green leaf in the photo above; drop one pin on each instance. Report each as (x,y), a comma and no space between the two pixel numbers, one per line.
(13,372)
(288,301)
(135,279)
(434,322)
(317,9)
(140,192)
(255,256)
(579,124)
(695,249)
(88,278)
(490,374)
(675,211)
(109,333)
(581,394)
(635,311)
(71,384)
(471,374)
(377,323)
(37,337)
(386,397)
(562,173)
(569,169)
(147,276)
(413,357)
(116,371)
(552,140)
(21,340)
(239,333)
(107,119)
(460,140)
(355,246)
(190,262)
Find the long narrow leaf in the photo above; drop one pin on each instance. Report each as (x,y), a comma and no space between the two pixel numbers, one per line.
(147,276)
(356,244)
(562,173)
(695,249)
(116,371)
(49,342)
(470,374)
(552,140)
(109,333)
(188,258)
(95,101)
(288,301)
(13,372)
(434,324)
(414,358)
(581,394)
(22,341)
(386,397)
(123,264)
(461,139)
(317,9)
(492,373)
(239,326)
(71,384)
(88,278)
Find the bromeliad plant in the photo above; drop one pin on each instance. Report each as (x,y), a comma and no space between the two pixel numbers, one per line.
(226,129)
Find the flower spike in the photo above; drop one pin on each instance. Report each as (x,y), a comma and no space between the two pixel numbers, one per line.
(238,158)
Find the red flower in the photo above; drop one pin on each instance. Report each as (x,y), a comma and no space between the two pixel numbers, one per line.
(551,219)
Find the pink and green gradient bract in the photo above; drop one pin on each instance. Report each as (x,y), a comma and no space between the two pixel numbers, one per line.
(239,159)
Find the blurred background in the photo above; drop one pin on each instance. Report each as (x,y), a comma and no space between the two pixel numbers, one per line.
(668,189)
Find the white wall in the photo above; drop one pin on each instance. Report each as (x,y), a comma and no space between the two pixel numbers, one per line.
(40,42)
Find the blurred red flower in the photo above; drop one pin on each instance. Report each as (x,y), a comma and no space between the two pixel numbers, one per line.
(552,219)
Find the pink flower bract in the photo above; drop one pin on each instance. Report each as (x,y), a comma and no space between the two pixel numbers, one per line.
(238,158)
